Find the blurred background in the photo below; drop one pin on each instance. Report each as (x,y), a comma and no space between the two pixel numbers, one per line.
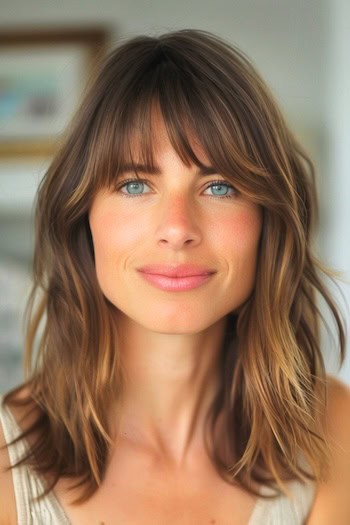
(48,50)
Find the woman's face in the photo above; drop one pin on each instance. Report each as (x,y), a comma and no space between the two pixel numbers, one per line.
(175,218)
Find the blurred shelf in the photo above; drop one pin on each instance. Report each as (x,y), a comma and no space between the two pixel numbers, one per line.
(18,183)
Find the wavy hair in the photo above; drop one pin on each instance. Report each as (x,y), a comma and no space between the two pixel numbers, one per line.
(273,382)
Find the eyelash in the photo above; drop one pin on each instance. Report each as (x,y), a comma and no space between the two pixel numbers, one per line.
(215,183)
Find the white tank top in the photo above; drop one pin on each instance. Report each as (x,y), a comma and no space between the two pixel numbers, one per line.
(48,511)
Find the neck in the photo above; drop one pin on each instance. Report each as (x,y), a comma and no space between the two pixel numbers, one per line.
(170,383)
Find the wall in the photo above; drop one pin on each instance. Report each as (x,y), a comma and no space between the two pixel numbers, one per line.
(337,181)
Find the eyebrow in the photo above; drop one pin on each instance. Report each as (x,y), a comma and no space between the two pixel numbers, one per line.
(155,170)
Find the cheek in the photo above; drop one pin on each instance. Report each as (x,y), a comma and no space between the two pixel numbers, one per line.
(115,238)
(242,242)
(240,234)
(114,233)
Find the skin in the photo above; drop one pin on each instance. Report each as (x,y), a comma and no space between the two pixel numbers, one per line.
(170,341)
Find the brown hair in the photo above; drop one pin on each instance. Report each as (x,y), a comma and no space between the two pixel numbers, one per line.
(273,389)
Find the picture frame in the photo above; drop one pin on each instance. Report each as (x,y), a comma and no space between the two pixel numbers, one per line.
(43,73)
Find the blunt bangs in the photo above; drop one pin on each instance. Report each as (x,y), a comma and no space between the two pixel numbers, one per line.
(195,110)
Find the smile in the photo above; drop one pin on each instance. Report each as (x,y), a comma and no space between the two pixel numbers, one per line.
(176,284)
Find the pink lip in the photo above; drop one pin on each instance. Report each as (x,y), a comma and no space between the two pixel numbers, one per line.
(176,284)
(179,270)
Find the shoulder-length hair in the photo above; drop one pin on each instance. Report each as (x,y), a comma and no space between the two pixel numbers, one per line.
(273,388)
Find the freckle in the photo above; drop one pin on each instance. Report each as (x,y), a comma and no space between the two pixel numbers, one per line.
(212,521)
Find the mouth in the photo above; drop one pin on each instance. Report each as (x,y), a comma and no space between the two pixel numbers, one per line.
(177,271)
(176,283)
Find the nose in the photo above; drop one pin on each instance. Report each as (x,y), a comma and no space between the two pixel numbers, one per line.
(177,223)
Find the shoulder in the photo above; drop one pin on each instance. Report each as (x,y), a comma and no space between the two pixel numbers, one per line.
(332,502)
(8,512)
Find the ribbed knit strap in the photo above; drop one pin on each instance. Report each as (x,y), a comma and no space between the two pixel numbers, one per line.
(283,509)
(27,485)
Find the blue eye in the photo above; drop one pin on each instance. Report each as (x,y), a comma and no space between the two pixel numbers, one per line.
(135,186)
(223,186)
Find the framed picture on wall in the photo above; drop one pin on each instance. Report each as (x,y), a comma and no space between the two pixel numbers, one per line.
(42,77)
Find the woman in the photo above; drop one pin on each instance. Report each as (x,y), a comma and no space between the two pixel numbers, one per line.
(178,376)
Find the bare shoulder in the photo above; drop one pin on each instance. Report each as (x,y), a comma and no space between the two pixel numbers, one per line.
(332,502)
(8,513)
